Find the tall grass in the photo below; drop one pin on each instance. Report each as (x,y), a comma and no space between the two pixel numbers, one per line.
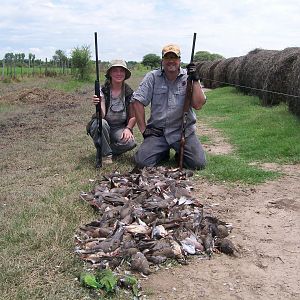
(259,134)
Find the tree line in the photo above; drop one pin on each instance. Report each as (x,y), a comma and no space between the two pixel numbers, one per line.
(80,62)
(20,59)
(153,61)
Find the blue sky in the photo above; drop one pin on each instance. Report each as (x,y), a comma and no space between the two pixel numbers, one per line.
(130,29)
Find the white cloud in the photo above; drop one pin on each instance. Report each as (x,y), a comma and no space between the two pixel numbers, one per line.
(133,28)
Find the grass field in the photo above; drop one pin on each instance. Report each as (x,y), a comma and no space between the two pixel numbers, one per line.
(258,134)
(47,160)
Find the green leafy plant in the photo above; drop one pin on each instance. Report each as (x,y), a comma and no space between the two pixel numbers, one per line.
(131,282)
(107,280)
(89,280)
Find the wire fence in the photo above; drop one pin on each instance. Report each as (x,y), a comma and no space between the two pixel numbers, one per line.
(251,88)
(11,71)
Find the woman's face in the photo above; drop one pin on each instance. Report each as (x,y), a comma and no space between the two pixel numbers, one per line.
(117,74)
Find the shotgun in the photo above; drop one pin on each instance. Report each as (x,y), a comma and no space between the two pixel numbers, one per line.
(98,110)
(186,107)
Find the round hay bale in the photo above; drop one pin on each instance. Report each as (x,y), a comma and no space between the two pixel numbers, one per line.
(293,87)
(232,73)
(254,71)
(211,72)
(198,67)
(220,73)
(277,78)
(204,72)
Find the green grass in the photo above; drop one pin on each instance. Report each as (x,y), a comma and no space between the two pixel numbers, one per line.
(233,169)
(68,84)
(258,134)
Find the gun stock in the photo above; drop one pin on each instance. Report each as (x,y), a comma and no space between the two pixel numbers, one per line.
(186,107)
(98,109)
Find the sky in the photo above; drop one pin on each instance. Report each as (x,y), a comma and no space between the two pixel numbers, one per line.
(130,29)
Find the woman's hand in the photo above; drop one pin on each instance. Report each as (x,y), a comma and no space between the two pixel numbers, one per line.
(96,100)
(127,134)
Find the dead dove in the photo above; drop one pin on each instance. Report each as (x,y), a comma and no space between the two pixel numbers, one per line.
(139,263)
(226,246)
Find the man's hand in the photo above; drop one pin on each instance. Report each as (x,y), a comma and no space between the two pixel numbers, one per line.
(192,73)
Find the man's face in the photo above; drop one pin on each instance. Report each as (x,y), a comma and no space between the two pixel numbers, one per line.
(171,62)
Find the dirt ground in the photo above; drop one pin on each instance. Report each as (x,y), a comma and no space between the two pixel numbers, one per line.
(265,219)
(266,230)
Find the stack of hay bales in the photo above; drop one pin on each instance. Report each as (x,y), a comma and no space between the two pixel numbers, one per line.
(272,75)
(203,70)
(220,72)
(206,69)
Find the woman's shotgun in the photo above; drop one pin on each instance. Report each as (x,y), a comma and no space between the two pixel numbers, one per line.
(186,107)
(98,110)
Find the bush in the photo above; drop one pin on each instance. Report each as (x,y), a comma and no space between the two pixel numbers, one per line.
(50,73)
(81,62)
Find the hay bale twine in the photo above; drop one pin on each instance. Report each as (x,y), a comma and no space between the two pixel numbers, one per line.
(293,86)
(220,73)
(232,73)
(204,73)
(254,71)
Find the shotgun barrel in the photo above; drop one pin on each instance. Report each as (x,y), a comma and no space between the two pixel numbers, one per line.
(186,107)
(98,110)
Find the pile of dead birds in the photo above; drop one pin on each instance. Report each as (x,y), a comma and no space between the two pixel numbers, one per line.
(147,217)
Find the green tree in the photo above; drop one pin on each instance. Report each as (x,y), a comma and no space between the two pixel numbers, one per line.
(81,62)
(215,56)
(151,60)
(60,57)
(8,57)
(205,55)
(131,64)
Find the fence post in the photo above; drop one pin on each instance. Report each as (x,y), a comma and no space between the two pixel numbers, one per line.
(3,66)
(46,68)
(14,68)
